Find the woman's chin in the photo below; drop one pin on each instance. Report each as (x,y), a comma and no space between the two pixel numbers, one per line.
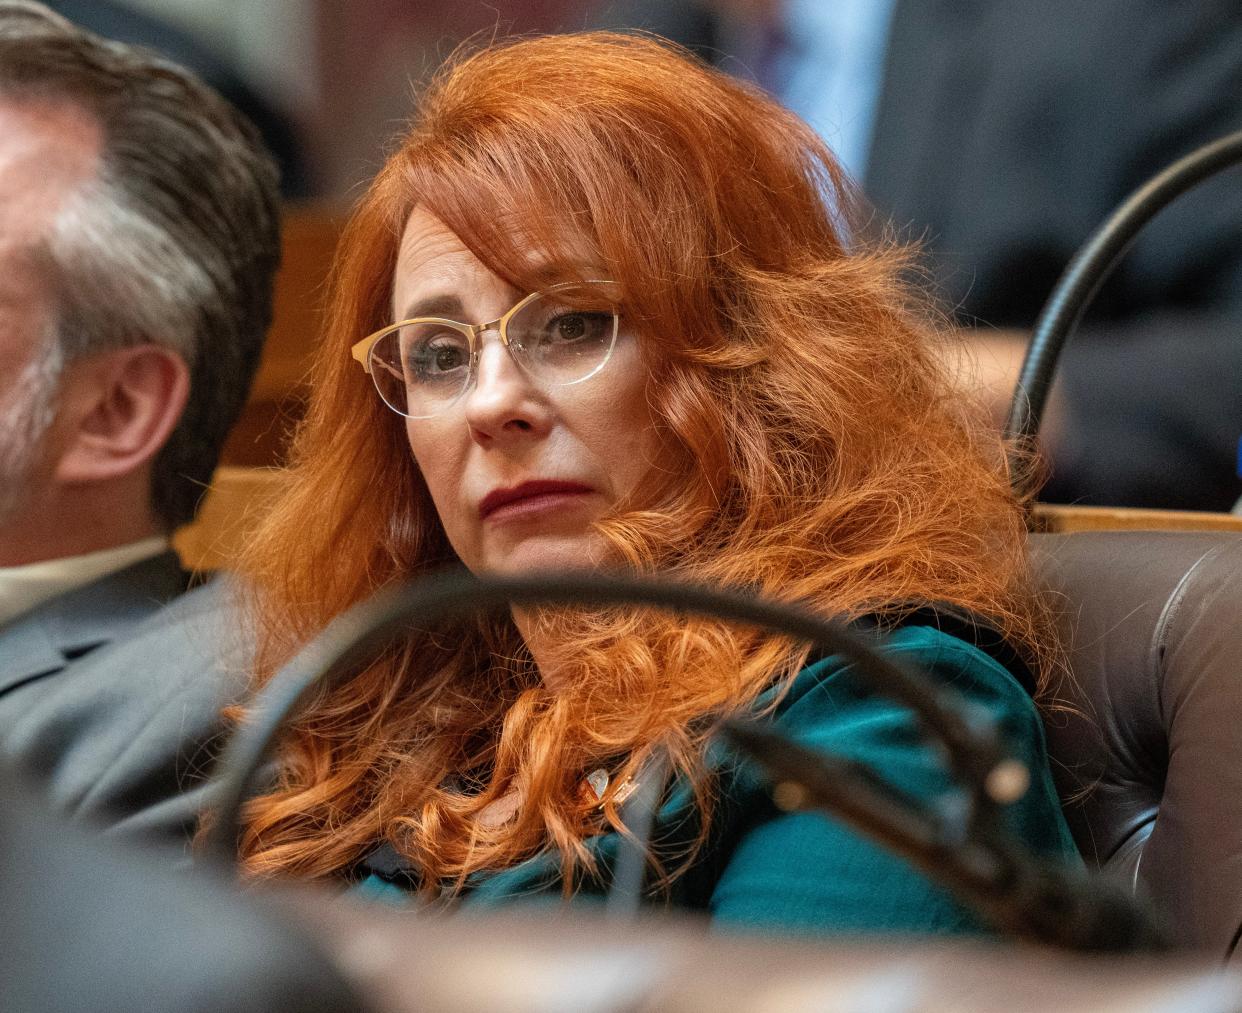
(546,554)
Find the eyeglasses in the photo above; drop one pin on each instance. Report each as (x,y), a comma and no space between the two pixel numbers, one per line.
(559,336)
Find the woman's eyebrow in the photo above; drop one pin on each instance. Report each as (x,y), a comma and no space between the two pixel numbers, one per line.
(549,272)
(433,306)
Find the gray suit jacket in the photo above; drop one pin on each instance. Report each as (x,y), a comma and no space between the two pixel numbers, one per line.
(112,696)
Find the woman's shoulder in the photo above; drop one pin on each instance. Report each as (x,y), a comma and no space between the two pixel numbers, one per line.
(831,707)
(966,657)
(805,871)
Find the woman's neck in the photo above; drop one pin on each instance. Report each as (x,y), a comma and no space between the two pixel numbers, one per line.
(527,625)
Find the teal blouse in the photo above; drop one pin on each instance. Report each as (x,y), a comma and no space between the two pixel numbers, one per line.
(803,872)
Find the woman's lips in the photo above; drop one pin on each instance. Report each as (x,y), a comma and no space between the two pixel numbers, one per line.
(529,498)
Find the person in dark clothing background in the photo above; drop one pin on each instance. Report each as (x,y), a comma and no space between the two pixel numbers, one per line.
(1003,133)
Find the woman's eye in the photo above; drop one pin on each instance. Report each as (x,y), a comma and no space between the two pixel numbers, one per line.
(438,356)
(444,359)
(570,327)
(577,326)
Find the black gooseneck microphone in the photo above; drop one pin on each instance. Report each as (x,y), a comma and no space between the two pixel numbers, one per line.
(1084,275)
(986,868)
(966,850)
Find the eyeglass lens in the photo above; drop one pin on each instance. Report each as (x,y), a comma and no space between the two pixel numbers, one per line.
(557,337)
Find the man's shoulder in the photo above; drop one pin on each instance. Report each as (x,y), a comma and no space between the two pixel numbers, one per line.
(50,637)
(192,649)
(198,633)
(138,720)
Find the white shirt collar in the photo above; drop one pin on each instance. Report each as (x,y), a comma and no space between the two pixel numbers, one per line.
(22,588)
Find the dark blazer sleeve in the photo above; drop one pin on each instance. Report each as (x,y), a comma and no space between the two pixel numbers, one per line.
(126,735)
(1006,133)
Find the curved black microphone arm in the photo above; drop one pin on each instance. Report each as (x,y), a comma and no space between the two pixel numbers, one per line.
(1087,271)
(988,870)
(974,750)
(967,850)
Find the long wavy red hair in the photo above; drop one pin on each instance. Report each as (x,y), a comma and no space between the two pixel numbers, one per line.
(823,455)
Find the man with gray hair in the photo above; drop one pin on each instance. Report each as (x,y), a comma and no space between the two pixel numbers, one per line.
(138,242)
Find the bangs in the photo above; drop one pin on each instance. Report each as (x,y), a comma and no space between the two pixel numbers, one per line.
(526,236)
(552,155)
(616,154)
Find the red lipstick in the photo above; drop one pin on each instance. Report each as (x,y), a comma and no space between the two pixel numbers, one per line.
(533,494)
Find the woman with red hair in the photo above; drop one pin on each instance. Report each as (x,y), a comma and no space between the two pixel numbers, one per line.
(606,310)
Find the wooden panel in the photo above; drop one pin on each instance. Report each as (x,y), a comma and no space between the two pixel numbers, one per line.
(233,503)
(260,438)
(310,234)
(1055,518)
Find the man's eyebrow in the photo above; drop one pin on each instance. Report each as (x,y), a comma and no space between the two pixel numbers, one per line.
(434,306)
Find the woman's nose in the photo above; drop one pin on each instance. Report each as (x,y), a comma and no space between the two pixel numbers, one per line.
(502,402)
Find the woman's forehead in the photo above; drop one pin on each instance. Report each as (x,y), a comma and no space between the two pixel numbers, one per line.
(430,253)
(427,241)
(434,267)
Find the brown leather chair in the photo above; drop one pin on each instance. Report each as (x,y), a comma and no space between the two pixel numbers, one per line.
(1153,625)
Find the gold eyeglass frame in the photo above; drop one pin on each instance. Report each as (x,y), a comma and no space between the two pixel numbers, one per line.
(361,350)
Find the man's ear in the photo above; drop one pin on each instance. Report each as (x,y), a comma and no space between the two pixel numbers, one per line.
(122,406)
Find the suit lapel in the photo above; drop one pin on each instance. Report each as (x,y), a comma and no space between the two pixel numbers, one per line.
(46,639)
(27,652)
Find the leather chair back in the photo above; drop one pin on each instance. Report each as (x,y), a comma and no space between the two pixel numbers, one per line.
(1153,626)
